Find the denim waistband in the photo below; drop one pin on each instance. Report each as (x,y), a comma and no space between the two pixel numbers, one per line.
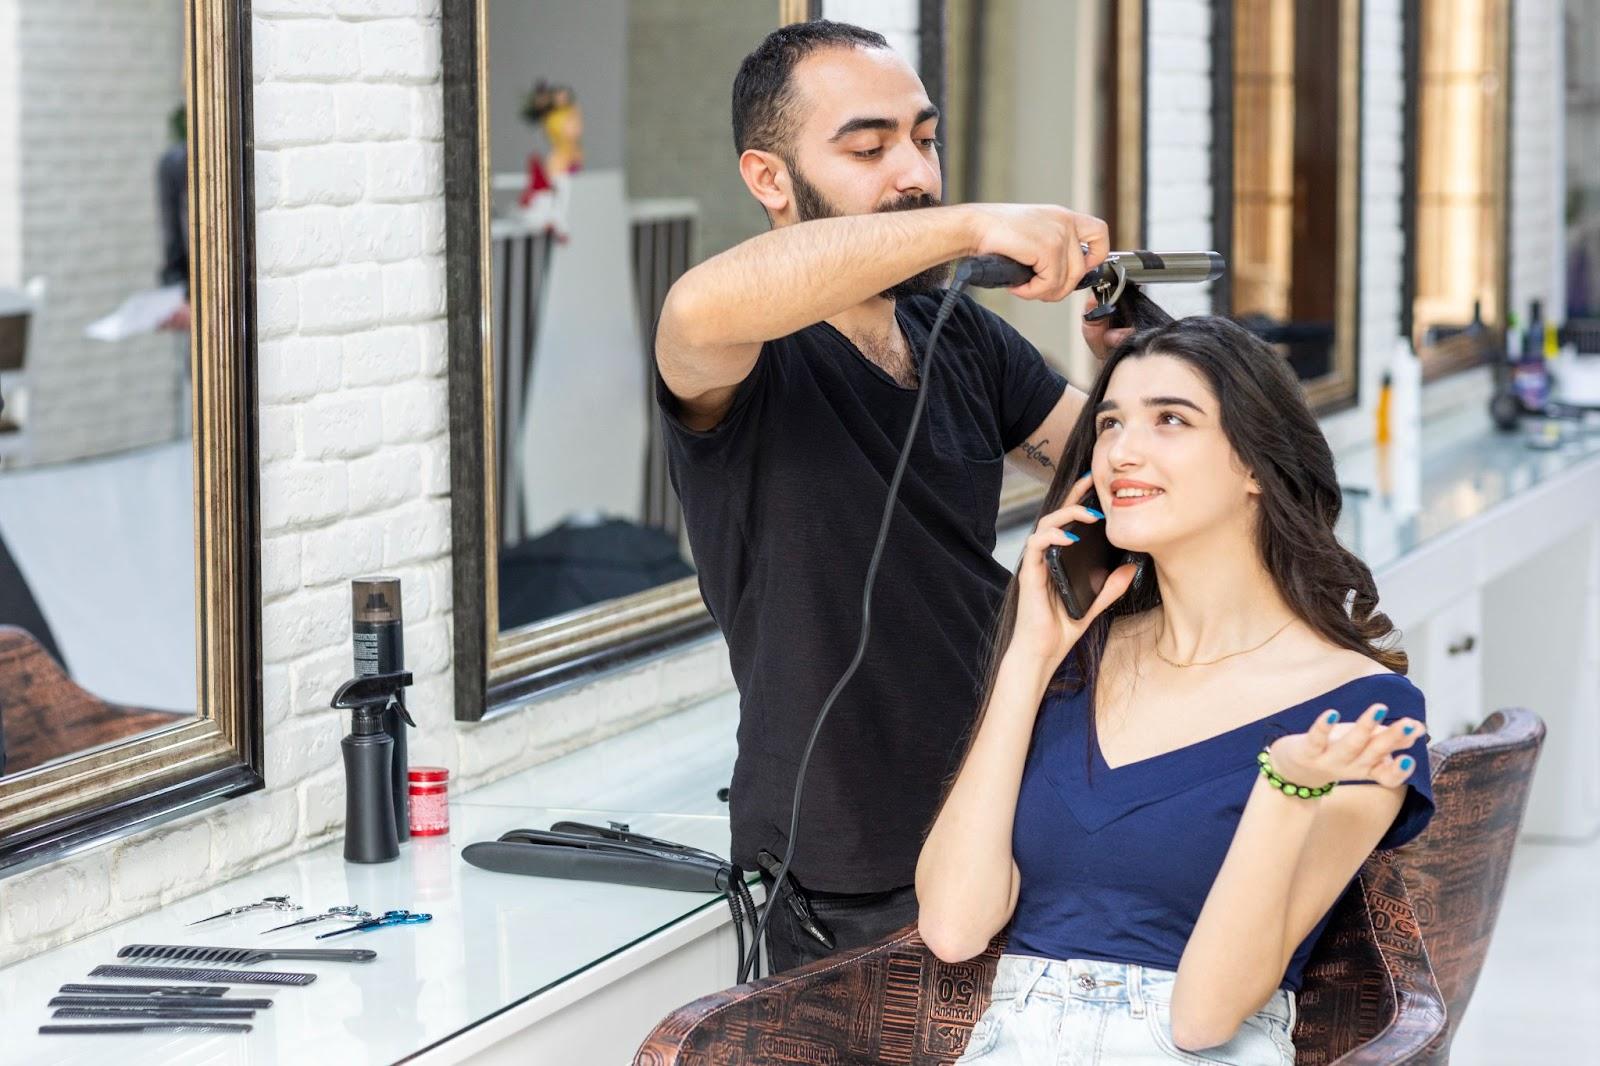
(1022,976)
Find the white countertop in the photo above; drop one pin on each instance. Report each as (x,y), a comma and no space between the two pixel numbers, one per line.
(495,941)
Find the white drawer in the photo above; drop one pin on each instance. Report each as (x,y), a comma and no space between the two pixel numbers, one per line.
(1447,664)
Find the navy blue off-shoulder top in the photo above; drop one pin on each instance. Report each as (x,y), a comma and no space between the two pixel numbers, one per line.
(1116,863)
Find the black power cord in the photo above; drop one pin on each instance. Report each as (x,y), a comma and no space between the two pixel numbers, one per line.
(743,908)
(990,271)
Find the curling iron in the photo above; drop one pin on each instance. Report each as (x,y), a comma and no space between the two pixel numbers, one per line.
(1107,280)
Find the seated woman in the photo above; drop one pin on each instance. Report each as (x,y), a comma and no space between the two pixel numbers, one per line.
(1162,883)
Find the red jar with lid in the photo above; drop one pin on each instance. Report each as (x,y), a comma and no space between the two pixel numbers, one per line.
(430,800)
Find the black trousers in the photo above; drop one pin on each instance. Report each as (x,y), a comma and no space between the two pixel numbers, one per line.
(854,921)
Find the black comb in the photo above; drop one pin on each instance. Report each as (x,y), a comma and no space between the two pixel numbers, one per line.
(170,1013)
(142,990)
(244,956)
(148,1027)
(216,977)
(203,1002)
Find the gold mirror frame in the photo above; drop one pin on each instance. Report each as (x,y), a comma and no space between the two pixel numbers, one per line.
(58,808)
(494,671)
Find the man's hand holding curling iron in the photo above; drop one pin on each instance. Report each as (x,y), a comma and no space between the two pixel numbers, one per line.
(720,312)
(1048,238)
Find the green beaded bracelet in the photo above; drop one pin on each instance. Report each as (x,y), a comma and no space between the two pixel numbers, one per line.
(1288,788)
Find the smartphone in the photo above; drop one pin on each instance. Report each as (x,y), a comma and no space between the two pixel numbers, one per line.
(1080,570)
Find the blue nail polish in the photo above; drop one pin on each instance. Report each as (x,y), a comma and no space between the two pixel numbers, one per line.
(1085,474)
(1333,716)
(1072,537)
(1092,511)
(1408,730)
(1407,763)
(1380,714)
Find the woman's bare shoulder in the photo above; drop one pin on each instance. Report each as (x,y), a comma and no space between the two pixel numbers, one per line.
(1315,656)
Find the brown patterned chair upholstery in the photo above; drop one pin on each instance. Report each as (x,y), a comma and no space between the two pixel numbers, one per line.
(1370,995)
(1456,871)
(44,715)
(1369,999)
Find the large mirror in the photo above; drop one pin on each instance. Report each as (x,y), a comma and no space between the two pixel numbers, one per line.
(590,166)
(1008,138)
(1286,186)
(127,606)
(600,168)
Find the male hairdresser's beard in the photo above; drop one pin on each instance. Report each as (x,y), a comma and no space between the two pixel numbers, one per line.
(809,203)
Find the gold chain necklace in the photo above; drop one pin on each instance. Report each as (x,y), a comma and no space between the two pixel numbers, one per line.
(1220,658)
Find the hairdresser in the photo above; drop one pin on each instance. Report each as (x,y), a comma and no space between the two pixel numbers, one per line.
(788,369)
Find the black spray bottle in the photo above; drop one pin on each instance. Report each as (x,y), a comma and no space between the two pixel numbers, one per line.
(379,642)
(369,833)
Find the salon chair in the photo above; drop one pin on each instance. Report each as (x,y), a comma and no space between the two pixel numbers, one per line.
(45,716)
(1371,996)
(1456,871)
(1369,999)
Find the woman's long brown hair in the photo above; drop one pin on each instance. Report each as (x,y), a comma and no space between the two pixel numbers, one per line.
(1273,432)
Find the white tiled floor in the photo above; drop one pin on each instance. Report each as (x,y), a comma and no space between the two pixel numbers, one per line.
(1538,1000)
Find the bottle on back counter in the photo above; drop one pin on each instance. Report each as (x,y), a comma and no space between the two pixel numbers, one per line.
(1504,407)
(1530,378)
(1405,405)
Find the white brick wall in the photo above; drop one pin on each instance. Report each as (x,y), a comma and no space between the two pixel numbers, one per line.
(10,176)
(1178,150)
(95,82)
(354,467)
(1381,268)
(1538,180)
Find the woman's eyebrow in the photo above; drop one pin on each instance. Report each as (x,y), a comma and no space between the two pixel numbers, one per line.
(1153,401)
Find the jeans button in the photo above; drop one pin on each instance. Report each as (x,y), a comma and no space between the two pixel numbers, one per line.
(1086,982)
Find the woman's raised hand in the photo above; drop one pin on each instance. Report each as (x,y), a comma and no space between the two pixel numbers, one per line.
(1367,749)
(1043,629)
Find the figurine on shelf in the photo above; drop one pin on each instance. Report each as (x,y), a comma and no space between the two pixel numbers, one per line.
(554,109)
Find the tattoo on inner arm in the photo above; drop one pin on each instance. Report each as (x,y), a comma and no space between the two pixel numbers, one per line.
(1037,454)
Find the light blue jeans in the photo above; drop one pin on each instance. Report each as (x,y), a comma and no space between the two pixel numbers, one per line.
(1078,1013)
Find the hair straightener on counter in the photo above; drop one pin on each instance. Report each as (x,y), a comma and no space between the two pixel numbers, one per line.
(615,855)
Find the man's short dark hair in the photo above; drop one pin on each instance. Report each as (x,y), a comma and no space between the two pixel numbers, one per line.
(763,90)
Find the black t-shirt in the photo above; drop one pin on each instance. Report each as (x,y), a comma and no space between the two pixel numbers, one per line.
(782,501)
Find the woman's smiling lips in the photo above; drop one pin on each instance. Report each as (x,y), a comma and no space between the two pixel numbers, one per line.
(1127,493)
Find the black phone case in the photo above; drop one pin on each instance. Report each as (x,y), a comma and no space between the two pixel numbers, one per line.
(1078,601)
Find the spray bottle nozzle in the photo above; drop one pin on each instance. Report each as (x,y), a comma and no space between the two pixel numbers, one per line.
(374,693)
(374,688)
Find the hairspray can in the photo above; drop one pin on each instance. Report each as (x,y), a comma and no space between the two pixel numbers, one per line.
(375,632)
